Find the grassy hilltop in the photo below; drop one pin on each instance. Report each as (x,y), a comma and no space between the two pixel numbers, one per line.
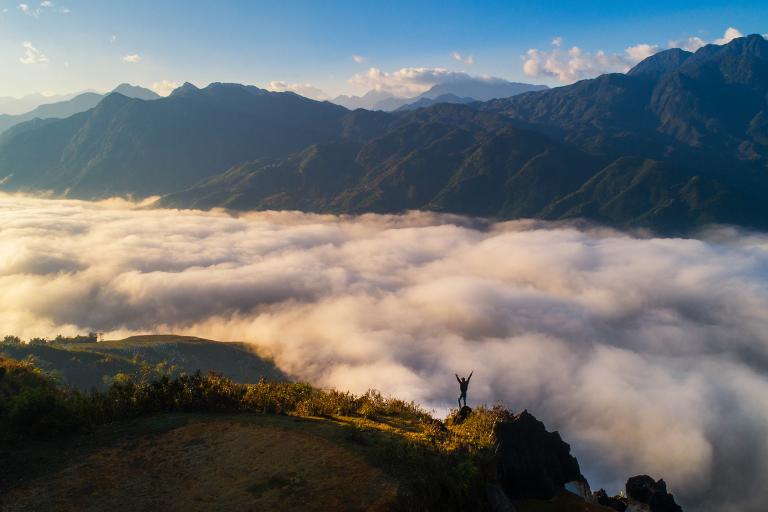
(83,363)
(180,441)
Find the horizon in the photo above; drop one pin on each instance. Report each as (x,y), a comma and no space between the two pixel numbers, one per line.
(59,48)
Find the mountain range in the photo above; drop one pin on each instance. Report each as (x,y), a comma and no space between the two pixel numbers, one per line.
(463,90)
(71,106)
(679,141)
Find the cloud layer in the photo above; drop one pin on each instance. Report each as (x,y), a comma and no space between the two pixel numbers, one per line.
(306,90)
(575,64)
(409,82)
(650,355)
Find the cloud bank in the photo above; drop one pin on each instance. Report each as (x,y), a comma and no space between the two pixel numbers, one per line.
(409,82)
(165,87)
(306,90)
(574,64)
(649,355)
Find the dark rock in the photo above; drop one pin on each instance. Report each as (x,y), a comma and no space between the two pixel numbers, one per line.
(498,500)
(646,490)
(615,502)
(532,462)
(462,415)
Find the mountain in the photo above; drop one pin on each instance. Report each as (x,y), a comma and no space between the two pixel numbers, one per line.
(481,89)
(16,106)
(450,158)
(660,63)
(368,101)
(678,142)
(79,103)
(424,102)
(467,88)
(130,146)
(134,91)
(57,110)
(694,108)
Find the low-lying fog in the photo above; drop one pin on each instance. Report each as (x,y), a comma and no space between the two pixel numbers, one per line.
(649,355)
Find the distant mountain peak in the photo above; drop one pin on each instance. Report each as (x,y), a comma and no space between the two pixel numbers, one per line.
(184,89)
(134,91)
(660,63)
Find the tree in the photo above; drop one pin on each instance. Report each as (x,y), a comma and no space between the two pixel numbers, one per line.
(12,340)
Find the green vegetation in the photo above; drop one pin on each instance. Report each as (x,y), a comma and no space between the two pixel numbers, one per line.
(82,362)
(439,463)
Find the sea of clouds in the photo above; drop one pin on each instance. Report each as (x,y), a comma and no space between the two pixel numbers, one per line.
(648,354)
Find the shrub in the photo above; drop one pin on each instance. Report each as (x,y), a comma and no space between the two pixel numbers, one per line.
(41,412)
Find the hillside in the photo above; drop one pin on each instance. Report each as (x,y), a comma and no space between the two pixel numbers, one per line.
(70,107)
(94,365)
(131,146)
(196,442)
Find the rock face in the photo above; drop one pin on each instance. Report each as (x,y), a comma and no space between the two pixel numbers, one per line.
(615,502)
(532,462)
(644,493)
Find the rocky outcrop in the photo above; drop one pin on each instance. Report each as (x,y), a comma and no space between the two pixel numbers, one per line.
(646,494)
(532,462)
(462,415)
(643,494)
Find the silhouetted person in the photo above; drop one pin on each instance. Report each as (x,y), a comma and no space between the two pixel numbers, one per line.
(463,385)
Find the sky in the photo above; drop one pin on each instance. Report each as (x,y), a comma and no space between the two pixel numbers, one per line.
(323,49)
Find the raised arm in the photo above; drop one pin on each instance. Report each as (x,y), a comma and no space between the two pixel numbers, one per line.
(470,375)
(457,377)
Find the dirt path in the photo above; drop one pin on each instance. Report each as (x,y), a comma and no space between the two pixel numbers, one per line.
(223,464)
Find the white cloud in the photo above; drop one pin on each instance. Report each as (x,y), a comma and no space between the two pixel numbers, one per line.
(650,355)
(306,90)
(358,58)
(693,43)
(408,82)
(132,59)
(576,64)
(641,51)
(32,55)
(729,35)
(690,44)
(165,87)
(464,59)
(45,6)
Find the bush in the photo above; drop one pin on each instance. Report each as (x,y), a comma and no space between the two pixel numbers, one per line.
(41,412)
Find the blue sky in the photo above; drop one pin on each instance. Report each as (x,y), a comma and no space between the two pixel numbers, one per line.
(73,45)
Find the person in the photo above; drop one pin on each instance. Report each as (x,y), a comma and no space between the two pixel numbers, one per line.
(463,385)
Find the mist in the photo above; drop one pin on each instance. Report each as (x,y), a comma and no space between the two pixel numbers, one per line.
(648,354)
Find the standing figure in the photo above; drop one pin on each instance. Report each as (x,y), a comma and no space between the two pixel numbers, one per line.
(463,385)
